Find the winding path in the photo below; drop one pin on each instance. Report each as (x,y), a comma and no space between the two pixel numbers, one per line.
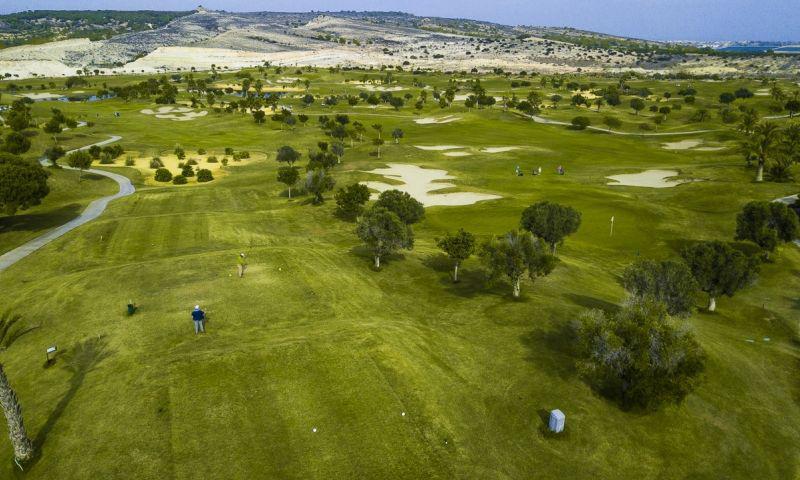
(547,121)
(90,213)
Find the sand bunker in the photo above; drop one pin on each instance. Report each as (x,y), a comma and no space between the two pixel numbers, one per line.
(177,114)
(41,96)
(436,148)
(457,154)
(498,149)
(762,92)
(420,182)
(432,120)
(690,145)
(648,178)
(373,88)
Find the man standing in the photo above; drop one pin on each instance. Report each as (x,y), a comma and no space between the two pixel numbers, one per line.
(242,264)
(199,318)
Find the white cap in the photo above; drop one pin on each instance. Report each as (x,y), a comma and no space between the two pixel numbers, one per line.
(197,307)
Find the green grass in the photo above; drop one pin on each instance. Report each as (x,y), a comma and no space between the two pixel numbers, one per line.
(313,337)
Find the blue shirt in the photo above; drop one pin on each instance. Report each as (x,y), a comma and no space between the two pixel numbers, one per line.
(198,315)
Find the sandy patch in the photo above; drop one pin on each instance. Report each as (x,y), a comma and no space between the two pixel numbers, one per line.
(457,154)
(377,88)
(287,80)
(41,96)
(171,162)
(421,182)
(498,149)
(648,178)
(432,120)
(177,114)
(681,145)
(709,149)
(762,92)
(437,148)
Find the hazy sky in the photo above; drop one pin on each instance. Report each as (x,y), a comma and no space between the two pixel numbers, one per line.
(655,19)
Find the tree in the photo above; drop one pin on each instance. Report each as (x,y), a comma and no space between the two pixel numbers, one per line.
(669,282)
(22,184)
(81,160)
(580,123)
(406,207)
(378,128)
(727,97)
(288,155)
(378,142)
(319,181)
(163,175)
(793,106)
(384,233)
(637,104)
(204,175)
(397,134)
(53,154)
(288,175)
(514,254)
(551,222)
(259,116)
(767,224)
(612,122)
(761,145)
(308,99)
(719,269)
(338,150)
(458,247)
(350,200)
(639,356)
(17,434)
(16,143)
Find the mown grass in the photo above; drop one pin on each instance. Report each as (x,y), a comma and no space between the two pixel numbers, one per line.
(312,337)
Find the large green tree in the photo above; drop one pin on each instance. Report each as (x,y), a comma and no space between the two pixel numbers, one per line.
(459,247)
(81,160)
(551,222)
(669,281)
(719,269)
(350,200)
(515,254)
(288,176)
(384,233)
(22,183)
(639,356)
(767,224)
(318,182)
(408,208)
(288,155)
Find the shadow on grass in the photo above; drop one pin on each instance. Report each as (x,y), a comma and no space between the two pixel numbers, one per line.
(553,349)
(470,281)
(39,221)
(79,361)
(586,301)
(364,253)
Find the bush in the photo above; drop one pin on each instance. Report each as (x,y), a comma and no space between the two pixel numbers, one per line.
(612,122)
(191,161)
(180,153)
(95,151)
(179,180)
(645,127)
(201,151)
(130,162)
(228,151)
(580,123)
(156,163)
(224,161)
(163,175)
(639,356)
(187,171)
(204,175)
(212,159)
(105,159)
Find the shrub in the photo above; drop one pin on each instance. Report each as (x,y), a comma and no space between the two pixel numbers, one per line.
(612,122)
(212,159)
(129,162)
(180,153)
(201,151)
(179,180)
(228,151)
(187,171)
(580,123)
(645,126)
(204,175)
(105,159)
(156,163)
(191,161)
(95,151)
(163,175)
(181,164)
(224,161)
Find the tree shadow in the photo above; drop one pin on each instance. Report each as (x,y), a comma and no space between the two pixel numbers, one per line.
(364,253)
(39,221)
(470,281)
(586,301)
(79,361)
(554,349)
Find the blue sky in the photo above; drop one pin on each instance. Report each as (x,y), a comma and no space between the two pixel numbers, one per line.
(654,19)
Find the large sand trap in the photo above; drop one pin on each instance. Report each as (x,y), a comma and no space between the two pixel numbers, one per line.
(457,154)
(681,145)
(436,148)
(177,114)
(498,149)
(432,120)
(690,145)
(420,182)
(41,96)
(648,178)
